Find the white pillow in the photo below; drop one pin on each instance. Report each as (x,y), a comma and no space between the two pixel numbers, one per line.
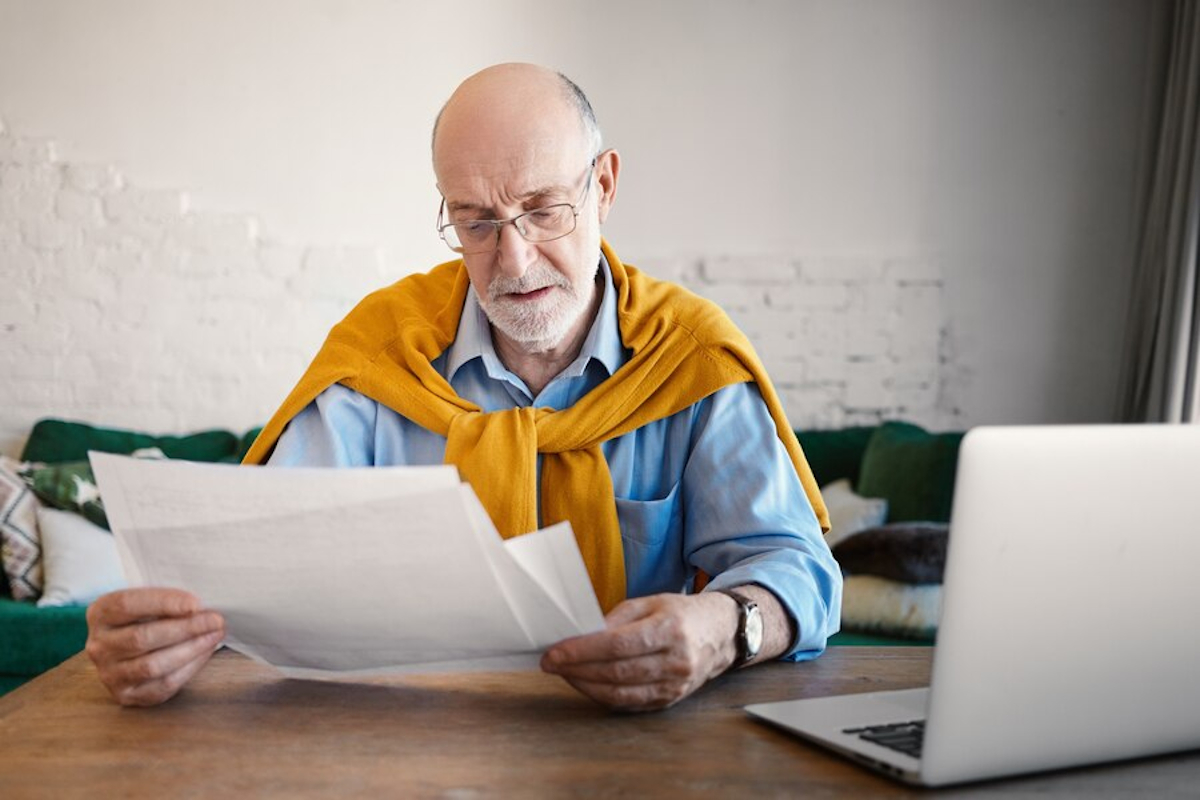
(889,608)
(79,559)
(849,513)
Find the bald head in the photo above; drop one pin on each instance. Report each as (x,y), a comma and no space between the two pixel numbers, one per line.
(507,107)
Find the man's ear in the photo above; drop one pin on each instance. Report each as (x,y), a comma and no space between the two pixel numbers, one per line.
(608,166)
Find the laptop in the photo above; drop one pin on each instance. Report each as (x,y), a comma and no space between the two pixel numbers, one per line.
(1070,607)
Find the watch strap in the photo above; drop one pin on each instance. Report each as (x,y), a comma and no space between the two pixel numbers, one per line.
(746,606)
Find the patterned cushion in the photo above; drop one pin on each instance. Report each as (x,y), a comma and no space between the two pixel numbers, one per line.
(20,547)
(69,487)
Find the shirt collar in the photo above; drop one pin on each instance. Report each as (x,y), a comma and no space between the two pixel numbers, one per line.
(474,336)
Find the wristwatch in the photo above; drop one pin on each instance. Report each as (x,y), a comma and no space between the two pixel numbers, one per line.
(750,628)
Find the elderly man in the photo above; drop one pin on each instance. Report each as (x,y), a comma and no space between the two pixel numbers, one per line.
(564,385)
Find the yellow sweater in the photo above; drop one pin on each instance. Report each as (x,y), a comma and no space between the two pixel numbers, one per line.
(683,348)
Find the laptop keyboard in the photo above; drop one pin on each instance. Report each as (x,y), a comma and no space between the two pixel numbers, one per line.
(904,737)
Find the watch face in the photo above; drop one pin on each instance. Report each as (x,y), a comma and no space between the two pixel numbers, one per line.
(754,631)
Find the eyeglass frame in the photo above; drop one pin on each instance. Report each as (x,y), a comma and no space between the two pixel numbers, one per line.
(497,224)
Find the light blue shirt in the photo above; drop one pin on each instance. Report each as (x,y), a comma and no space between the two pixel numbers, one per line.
(709,488)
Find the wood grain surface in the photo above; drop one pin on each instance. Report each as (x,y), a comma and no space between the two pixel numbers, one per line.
(241,730)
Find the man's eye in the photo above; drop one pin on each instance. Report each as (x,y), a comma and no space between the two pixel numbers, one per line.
(474,228)
(545,215)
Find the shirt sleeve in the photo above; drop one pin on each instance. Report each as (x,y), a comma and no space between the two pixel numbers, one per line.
(335,430)
(748,520)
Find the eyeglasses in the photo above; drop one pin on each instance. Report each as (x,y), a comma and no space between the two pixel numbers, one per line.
(539,225)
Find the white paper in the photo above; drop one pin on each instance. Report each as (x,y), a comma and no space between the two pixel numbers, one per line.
(322,571)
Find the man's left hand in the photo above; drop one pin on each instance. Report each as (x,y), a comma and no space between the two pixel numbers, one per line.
(654,652)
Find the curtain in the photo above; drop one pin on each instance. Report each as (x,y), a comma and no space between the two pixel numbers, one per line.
(1160,378)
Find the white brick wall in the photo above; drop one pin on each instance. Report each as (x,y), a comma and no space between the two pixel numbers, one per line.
(123,306)
(847,339)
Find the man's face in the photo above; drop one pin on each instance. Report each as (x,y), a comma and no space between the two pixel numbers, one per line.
(535,293)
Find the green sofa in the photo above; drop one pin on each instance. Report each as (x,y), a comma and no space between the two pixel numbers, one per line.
(32,639)
(910,467)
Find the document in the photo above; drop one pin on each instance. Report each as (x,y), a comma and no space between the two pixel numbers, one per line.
(348,571)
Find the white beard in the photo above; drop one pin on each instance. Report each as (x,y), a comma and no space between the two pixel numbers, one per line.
(539,324)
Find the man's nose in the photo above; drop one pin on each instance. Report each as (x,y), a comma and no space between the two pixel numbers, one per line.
(514,254)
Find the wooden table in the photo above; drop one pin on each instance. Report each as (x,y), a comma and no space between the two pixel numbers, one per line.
(239,730)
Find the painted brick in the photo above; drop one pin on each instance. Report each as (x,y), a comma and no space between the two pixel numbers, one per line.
(862,343)
(846,269)
(38,393)
(216,232)
(823,334)
(905,270)
(826,367)
(876,300)
(27,193)
(749,269)
(49,234)
(218,263)
(280,261)
(677,269)
(23,267)
(27,151)
(867,385)
(10,231)
(805,296)
(17,312)
(733,296)
(167,320)
(155,205)
(97,179)
(79,209)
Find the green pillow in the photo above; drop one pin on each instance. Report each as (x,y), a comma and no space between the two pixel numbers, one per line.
(53,441)
(835,454)
(70,487)
(913,469)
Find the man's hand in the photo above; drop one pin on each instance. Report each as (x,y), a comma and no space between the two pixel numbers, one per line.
(654,652)
(147,643)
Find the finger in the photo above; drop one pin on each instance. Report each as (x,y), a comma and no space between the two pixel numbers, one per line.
(630,641)
(130,605)
(144,637)
(157,664)
(629,671)
(629,611)
(640,697)
(164,688)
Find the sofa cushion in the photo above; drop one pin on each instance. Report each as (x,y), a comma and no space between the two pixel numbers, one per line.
(20,547)
(56,441)
(834,454)
(850,513)
(912,469)
(910,552)
(79,560)
(69,486)
(871,604)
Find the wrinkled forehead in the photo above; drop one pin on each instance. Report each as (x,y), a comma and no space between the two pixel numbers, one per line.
(486,176)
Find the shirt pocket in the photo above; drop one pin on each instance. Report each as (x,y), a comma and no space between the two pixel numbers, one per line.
(650,522)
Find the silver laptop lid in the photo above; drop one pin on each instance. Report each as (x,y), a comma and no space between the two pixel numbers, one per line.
(1071,601)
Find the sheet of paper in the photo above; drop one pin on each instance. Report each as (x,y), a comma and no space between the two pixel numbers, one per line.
(347,571)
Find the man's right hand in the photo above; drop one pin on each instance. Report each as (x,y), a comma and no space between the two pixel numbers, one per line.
(147,643)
